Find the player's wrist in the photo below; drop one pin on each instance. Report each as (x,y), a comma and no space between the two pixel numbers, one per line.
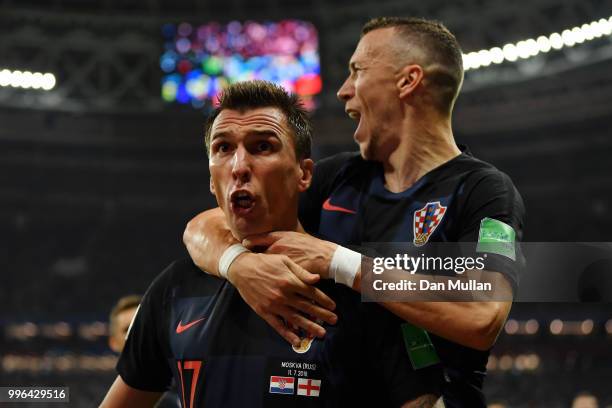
(230,255)
(344,266)
(325,252)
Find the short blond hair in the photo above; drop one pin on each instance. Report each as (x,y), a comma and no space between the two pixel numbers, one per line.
(125,303)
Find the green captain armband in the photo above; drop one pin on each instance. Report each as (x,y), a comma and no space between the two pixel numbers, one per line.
(420,349)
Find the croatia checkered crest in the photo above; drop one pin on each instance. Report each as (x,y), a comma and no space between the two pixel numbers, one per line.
(426,220)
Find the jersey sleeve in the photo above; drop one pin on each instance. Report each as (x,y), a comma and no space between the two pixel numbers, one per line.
(389,360)
(143,364)
(325,175)
(492,221)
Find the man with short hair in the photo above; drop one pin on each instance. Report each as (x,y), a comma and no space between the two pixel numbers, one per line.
(585,399)
(197,329)
(410,183)
(119,321)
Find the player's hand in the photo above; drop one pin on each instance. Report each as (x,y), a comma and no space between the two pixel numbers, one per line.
(281,293)
(310,253)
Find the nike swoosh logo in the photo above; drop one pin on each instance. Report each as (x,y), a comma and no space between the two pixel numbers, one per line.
(327,205)
(180,328)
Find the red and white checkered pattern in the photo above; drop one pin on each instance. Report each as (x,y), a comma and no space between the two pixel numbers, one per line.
(425,225)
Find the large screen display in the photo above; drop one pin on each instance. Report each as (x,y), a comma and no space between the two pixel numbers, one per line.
(200,60)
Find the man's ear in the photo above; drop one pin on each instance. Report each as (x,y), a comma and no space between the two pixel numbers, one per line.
(212,186)
(409,79)
(112,344)
(306,169)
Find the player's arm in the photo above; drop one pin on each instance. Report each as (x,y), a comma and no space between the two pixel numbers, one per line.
(474,324)
(472,319)
(275,287)
(121,395)
(206,237)
(469,323)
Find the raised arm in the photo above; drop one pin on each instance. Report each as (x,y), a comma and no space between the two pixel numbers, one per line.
(121,395)
(274,286)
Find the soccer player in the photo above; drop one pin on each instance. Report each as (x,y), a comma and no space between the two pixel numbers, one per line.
(410,182)
(119,320)
(197,329)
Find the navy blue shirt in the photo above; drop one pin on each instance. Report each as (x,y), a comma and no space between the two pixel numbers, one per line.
(196,328)
(349,204)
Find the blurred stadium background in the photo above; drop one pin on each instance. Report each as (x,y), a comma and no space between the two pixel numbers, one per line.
(102,162)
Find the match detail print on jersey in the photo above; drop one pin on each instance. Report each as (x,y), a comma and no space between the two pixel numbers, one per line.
(426,220)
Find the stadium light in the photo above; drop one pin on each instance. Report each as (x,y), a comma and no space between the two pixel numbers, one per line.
(556,326)
(531,47)
(27,80)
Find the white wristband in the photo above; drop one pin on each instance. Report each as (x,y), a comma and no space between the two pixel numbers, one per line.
(344,266)
(229,255)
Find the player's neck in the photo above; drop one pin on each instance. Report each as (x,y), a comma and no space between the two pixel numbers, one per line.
(425,145)
(292,224)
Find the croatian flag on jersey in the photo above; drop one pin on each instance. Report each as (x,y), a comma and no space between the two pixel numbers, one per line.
(281,385)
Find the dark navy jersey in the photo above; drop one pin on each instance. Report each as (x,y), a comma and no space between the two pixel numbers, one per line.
(349,204)
(196,329)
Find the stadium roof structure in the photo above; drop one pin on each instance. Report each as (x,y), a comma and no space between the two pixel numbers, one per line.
(104,54)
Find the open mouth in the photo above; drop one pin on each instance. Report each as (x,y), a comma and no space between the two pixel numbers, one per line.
(353,114)
(356,116)
(242,201)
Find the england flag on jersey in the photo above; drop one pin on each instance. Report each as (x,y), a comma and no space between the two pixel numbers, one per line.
(309,387)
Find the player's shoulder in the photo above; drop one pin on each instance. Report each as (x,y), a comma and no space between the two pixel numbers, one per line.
(183,272)
(338,158)
(182,278)
(341,161)
(478,171)
(181,266)
(484,183)
(343,165)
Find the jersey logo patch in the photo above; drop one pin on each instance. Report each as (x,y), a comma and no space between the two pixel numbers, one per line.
(328,206)
(281,385)
(426,220)
(309,387)
(180,328)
